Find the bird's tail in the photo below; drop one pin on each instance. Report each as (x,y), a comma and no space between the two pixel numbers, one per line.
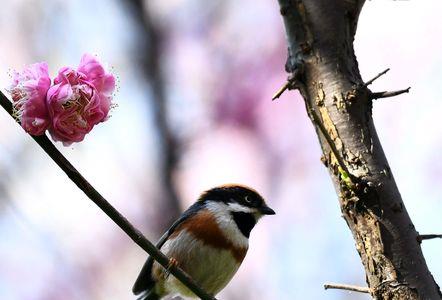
(149,295)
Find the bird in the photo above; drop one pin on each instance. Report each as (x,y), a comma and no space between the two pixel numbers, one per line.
(208,241)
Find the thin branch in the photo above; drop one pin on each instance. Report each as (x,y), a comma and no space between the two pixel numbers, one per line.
(422,237)
(108,209)
(347,287)
(389,94)
(376,77)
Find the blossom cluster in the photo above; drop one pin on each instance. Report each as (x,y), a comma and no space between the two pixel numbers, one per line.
(70,107)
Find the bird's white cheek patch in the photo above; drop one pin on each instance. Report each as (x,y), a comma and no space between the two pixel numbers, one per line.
(241,208)
(224,219)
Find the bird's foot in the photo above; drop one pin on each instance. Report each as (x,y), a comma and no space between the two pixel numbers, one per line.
(172,263)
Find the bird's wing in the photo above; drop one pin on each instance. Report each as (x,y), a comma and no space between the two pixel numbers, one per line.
(145,281)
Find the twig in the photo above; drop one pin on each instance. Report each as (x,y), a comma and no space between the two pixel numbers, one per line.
(108,209)
(347,287)
(376,77)
(388,94)
(422,237)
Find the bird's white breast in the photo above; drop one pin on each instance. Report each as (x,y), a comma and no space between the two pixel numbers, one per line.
(211,267)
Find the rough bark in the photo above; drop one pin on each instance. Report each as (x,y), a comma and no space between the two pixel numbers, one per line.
(324,68)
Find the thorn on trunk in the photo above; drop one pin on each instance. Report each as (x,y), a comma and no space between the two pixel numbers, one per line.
(281,91)
(376,77)
(389,94)
(422,237)
(289,85)
(352,288)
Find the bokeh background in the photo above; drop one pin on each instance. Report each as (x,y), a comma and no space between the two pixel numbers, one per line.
(195,79)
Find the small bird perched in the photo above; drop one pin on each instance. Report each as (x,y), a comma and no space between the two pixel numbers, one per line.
(208,241)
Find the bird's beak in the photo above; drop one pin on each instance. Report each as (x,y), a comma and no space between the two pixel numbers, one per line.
(265,210)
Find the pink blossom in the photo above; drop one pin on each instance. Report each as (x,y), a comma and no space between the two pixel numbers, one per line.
(28,91)
(79,99)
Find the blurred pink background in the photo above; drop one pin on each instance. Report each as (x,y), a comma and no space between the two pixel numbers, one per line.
(220,62)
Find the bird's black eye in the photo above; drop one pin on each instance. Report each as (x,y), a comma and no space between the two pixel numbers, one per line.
(248,199)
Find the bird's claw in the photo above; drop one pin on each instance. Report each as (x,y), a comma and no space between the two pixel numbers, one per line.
(172,263)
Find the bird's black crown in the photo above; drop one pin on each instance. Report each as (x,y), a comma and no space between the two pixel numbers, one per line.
(233,193)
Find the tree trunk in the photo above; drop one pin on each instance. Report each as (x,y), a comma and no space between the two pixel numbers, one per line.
(324,68)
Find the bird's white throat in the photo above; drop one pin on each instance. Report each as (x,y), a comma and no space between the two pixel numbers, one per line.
(224,219)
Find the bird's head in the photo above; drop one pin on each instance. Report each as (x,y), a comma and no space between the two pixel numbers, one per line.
(239,202)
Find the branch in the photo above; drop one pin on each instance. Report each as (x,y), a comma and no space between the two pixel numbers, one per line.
(388,94)
(108,209)
(347,287)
